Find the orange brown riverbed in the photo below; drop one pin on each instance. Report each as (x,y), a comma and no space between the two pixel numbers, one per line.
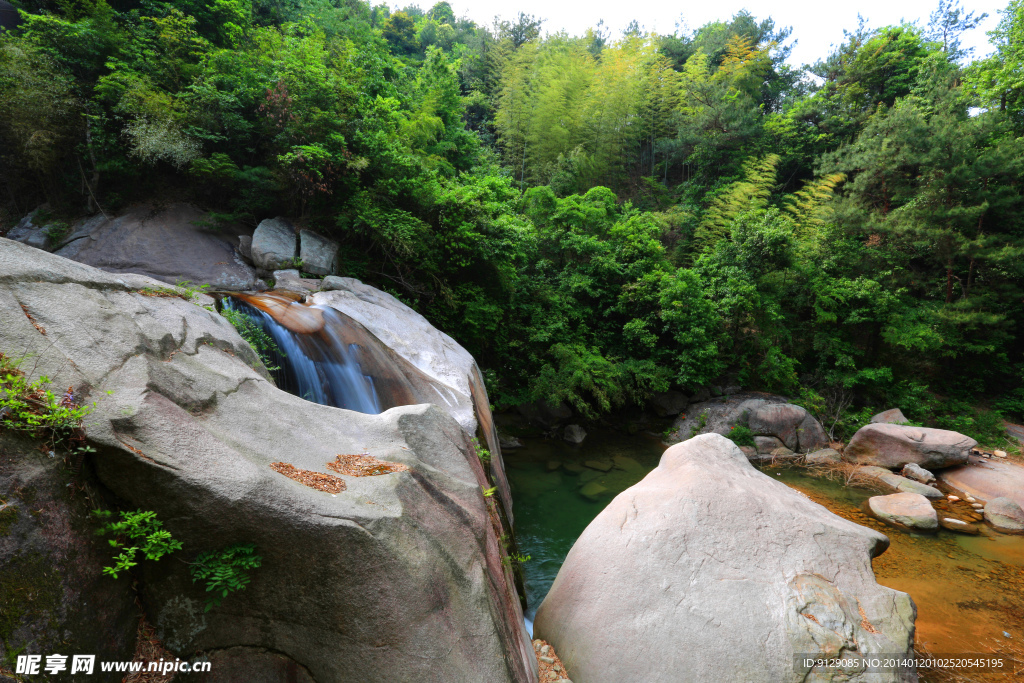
(969,590)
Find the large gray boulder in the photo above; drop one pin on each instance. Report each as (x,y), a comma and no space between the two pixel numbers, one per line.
(319,254)
(894,446)
(671,582)
(170,244)
(1005,514)
(274,245)
(399,577)
(905,511)
(765,415)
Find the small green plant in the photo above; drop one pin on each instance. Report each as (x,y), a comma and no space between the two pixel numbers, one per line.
(261,342)
(183,289)
(515,558)
(481,452)
(702,422)
(141,529)
(741,435)
(225,571)
(57,231)
(488,492)
(31,407)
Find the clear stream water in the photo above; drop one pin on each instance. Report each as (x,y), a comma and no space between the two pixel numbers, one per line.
(969,590)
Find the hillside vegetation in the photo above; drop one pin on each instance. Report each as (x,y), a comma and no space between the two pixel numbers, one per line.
(596,218)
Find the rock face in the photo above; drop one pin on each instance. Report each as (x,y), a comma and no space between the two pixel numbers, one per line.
(1005,515)
(765,415)
(672,573)
(274,244)
(165,243)
(399,577)
(905,510)
(319,254)
(892,416)
(53,594)
(669,403)
(893,446)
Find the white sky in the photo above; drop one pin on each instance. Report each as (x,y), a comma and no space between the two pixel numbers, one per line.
(816,24)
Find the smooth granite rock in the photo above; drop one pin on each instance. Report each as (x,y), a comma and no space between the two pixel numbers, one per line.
(905,510)
(671,582)
(274,245)
(319,254)
(399,577)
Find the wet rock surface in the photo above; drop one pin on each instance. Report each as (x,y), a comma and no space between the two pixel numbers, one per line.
(274,244)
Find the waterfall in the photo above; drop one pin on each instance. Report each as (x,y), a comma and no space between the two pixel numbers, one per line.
(319,365)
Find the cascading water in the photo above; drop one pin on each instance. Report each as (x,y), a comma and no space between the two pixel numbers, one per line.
(319,366)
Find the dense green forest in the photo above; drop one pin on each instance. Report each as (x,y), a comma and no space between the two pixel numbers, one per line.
(595,218)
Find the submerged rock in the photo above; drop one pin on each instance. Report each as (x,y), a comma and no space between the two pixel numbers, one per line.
(672,573)
(398,577)
(905,511)
(893,446)
(958,525)
(1005,514)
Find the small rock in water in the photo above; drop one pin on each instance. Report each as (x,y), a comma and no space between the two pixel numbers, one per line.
(602,465)
(552,465)
(547,660)
(969,499)
(977,506)
(545,649)
(1007,635)
(952,499)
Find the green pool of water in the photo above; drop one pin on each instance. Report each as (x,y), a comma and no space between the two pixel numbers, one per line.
(556,495)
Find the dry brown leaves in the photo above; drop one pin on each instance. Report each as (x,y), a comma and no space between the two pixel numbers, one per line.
(33,320)
(363,466)
(314,480)
(148,648)
(864,623)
